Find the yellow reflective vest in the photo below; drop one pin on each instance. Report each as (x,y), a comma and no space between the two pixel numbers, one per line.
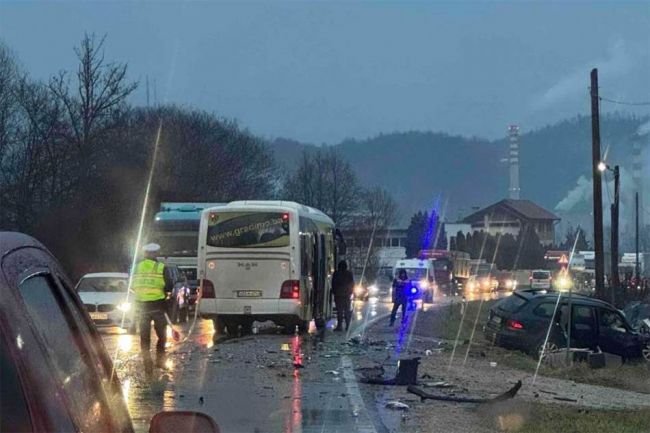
(148,281)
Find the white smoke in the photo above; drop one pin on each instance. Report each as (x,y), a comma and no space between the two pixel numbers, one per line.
(581,193)
(617,62)
(643,129)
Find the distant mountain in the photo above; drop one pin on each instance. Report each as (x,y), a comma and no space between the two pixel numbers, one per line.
(419,167)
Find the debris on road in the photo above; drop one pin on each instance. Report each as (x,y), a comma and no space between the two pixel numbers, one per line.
(407,373)
(397,405)
(440,384)
(332,372)
(572,400)
(428,396)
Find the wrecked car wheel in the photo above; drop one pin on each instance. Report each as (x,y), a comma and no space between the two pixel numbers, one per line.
(541,351)
(645,351)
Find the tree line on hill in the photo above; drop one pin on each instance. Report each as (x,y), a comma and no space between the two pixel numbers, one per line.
(75,157)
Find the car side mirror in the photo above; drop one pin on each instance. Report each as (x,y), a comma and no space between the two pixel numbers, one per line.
(182,421)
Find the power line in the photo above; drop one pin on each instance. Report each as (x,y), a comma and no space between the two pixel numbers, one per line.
(613,101)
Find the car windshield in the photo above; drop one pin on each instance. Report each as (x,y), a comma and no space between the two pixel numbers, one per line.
(282,160)
(512,303)
(440,265)
(415,273)
(103,284)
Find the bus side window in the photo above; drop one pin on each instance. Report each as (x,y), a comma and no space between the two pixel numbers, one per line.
(306,251)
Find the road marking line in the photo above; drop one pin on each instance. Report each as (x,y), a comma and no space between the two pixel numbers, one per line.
(363,422)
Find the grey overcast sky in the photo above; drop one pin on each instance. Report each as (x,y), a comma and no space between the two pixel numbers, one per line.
(321,72)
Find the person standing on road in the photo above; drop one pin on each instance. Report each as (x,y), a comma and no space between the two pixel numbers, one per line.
(151,284)
(400,297)
(342,285)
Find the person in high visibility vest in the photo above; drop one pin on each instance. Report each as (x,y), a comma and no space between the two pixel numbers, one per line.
(151,284)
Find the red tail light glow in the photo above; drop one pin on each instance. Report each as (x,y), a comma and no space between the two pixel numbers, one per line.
(514,324)
(290,289)
(207,289)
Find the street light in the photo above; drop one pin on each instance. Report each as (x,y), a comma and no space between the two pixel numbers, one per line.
(602,166)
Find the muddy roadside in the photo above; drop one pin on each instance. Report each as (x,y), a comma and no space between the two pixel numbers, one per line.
(478,370)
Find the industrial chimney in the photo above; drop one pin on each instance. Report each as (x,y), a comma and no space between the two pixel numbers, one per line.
(637,167)
(513,134)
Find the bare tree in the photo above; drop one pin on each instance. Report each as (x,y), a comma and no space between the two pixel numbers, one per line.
(94,106)
(376,214)
(327,182)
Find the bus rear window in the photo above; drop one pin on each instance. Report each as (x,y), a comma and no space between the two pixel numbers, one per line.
(248,230)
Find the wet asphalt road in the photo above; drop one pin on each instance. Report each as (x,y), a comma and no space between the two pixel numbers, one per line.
(250,384)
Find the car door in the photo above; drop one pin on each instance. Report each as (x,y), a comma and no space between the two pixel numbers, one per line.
(614,336)
(64,345)
(584,333)
(14,409)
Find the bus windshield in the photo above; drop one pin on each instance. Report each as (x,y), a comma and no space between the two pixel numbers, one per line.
(248,230)
(177,244)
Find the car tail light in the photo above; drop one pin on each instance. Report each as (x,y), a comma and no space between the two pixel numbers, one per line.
(290,290)
(207,289)
(514,324)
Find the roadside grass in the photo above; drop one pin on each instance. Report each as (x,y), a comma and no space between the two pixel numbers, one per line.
(443,323)
(551,418)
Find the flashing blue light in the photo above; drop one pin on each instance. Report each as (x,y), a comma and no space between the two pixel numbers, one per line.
(414,290)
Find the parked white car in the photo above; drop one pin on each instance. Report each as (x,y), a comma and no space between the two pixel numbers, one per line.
(105,297)
(540,279)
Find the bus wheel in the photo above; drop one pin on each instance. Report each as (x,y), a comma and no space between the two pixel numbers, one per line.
(219,326)
(303,326)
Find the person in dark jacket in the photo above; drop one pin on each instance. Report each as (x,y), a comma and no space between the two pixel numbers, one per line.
(342,286)
(400,297)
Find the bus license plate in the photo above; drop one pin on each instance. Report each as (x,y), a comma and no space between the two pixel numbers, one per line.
(249,293)
(99,316)
(496,319)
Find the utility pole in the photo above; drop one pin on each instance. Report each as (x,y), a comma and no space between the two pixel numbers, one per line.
(637,267)
(599,259)
(615,280)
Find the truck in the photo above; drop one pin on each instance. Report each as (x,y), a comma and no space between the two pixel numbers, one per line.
(176,228)
(451,268)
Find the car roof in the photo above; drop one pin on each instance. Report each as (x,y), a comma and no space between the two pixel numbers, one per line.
(10,241)
(531,295)
(107,275)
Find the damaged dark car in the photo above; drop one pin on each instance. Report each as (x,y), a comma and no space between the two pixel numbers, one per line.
(522,320)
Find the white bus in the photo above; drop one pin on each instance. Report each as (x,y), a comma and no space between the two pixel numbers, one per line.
(265,260)
(176,229)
